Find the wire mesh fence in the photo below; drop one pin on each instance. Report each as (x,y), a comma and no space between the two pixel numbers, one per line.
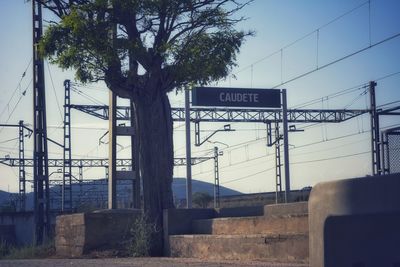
(391,150)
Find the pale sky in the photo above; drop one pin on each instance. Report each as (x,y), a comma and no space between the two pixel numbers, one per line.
(293,37)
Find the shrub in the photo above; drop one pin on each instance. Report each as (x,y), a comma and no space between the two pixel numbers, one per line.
(202,199)
(140,236)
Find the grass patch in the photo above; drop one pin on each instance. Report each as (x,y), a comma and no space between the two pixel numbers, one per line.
(27,252)
(4,248)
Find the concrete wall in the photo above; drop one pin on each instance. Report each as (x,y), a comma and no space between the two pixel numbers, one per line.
(179,222)
(23,225)
(355,222)
(80,233)
(7,235)
(260,199)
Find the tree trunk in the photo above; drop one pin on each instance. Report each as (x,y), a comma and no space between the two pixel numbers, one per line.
(155,130)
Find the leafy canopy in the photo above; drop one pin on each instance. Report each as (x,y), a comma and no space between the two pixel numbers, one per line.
(134,45)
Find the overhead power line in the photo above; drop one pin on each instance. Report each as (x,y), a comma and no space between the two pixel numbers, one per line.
(248,176)
(55,92)
(9,140)
(16,89)
(346,91)
(278,51)
(331,158)
(16,105)
(88,97)
(338,60)
(334,95)
(299,162)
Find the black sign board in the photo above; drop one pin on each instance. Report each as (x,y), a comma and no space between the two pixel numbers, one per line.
(236,97)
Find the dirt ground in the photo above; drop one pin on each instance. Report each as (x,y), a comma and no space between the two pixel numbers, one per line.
(138,262)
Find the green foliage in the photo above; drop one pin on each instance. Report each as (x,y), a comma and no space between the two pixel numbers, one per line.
(131,43)
(202,199)
(79,42)
(140,236)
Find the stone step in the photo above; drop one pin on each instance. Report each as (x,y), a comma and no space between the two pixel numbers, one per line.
(285,224)
(277,248)
(286,209)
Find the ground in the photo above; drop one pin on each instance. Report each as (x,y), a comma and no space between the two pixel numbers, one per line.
(136,262)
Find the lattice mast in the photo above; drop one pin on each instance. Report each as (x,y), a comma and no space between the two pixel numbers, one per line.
(40,155)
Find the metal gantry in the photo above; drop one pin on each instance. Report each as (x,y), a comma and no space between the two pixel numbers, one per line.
(21,168)
(80,164)
(198,115)
(92,163)
(236,115)
(23,132)
(278,164)
(66,198)
(216,178)
(375,142)
(266,116)
(40,155)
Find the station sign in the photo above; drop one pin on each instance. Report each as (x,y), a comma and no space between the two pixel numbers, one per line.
(236,97)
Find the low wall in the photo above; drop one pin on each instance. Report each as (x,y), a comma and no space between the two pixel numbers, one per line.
(78,234)
(7,235)
(355,222)
(179,221)
(261,199)
(23,224)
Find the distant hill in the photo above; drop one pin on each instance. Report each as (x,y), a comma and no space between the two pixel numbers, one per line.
(4,197)
(99,190)
(179,188)
(7,200)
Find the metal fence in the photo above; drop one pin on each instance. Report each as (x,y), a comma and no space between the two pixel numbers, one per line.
(391,150)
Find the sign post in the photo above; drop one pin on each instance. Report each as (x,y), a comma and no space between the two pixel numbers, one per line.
(236,97)
(188,152)
(250,98)
(285,145)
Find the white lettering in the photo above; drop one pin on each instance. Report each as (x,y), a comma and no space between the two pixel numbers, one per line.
(238,97)
(228,97)
(221,97)
(255,98)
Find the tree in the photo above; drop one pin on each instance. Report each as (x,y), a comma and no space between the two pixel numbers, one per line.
(144,49)
(202,199)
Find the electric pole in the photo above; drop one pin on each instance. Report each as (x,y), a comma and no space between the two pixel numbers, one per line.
(40,155)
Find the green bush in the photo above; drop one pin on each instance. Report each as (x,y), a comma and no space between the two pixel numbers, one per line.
(140,236)
(201,199)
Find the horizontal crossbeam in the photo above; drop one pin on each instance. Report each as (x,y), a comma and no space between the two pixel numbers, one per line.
(92,163)
(389,111)
(236,115)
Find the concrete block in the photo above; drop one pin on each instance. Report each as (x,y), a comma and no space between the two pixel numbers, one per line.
(240,211)
(179,221)
(7,234)
(286,209)
(253,225)
(278,248)
(355,222)
(78,234)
